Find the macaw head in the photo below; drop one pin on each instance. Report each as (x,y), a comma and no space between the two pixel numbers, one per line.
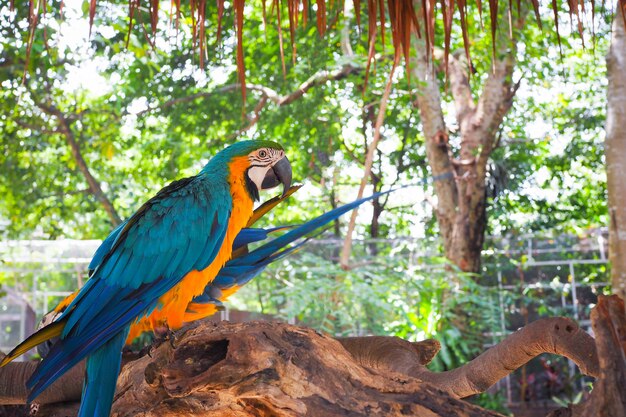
(262,163)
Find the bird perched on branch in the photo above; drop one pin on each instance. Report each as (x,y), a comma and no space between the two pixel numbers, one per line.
(162,257)
(217,291)
(244,265)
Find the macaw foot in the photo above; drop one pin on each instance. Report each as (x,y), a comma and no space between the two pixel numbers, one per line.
(172,339)
(163,334)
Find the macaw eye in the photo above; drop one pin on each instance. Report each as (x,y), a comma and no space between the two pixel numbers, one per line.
(262,154)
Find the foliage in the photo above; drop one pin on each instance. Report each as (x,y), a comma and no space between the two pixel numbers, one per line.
(573,397)
(138,128)
(491,401)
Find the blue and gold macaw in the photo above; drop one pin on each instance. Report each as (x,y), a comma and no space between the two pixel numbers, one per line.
(198,308)
(238,271)
(163,256)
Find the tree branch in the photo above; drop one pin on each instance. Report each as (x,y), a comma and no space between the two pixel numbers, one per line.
(497,96)
(267,93)
(369,160)
(351,153)
(256,113)
(348,11)
(551,335)
(13,379)
(40,129)
(319,78)
(557,335)
(94,185)
(495,101)
(608,398)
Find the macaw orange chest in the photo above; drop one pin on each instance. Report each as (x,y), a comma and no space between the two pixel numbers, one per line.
(175,301)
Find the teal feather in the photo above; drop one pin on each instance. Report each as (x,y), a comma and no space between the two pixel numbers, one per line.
(101,372)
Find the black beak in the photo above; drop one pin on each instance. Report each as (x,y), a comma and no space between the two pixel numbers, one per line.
(279,173)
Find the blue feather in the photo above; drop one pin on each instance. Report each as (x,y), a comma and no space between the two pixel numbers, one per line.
(104,248)
(101,373)
(266,250)
(251,235)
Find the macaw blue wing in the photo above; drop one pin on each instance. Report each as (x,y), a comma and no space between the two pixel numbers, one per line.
(261,253)
(179,230)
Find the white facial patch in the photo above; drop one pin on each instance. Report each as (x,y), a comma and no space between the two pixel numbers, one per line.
(257,174)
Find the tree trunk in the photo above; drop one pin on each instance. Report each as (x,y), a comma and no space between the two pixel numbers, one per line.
(460,180)
(615,149)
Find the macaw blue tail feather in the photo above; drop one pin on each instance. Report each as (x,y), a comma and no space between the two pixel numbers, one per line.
(251,235)
(266,250)
(103,367)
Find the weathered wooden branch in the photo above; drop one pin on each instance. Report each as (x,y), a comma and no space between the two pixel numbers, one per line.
(235,369)
(608,398)
(13,389)
(273,369)
(556,335)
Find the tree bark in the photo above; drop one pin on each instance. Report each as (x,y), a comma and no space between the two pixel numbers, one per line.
(608,398)
(13,389)
(460,180)
(556,335)
(271,369)
(615,150)
(436,136)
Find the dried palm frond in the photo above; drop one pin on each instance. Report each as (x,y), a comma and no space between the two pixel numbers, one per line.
(405,17)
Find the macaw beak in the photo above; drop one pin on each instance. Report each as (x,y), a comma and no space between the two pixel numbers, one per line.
(280,173)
